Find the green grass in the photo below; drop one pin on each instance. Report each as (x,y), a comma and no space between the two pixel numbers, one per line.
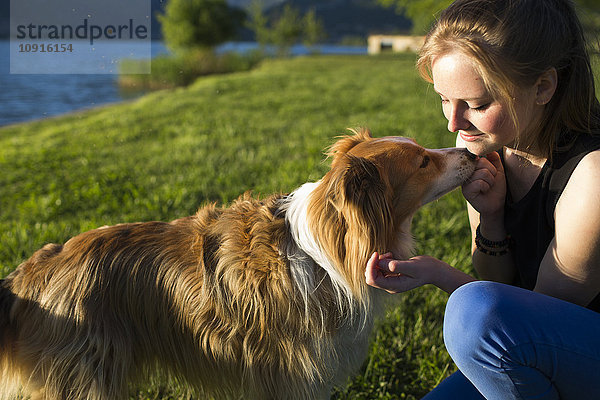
(166,154)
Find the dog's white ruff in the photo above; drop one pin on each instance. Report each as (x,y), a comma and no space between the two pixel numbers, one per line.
(302,266)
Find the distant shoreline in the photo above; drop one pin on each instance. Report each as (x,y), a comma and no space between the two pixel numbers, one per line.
(33,97)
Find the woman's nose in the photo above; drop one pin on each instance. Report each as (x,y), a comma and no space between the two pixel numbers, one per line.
(457,120)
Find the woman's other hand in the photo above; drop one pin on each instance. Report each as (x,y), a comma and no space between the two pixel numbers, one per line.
(397,276)
(486,188)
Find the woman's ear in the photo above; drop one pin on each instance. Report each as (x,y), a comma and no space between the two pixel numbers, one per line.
(546,86)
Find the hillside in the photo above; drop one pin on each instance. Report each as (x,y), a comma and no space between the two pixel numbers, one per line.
(354,18)
(246,3)
(157,6)
(341,18)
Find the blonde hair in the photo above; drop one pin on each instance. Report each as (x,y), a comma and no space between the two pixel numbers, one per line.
(513,42)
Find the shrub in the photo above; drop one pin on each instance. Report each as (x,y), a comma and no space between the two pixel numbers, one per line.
(183,68)
(189,24)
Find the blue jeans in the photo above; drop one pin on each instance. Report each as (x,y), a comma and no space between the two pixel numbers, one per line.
(512,343)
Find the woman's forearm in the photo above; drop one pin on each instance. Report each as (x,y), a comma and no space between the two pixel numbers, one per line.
(494,268)
(449,279)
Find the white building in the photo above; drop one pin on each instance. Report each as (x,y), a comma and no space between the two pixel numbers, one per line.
(394,43)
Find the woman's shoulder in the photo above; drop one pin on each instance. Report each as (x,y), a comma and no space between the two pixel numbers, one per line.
(583,185)
(588,169)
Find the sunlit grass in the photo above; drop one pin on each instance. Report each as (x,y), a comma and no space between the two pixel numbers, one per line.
(166,154)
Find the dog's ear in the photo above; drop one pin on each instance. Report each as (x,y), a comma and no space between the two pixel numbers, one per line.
(346,143)
(367,213)
(361,177)
(365,194)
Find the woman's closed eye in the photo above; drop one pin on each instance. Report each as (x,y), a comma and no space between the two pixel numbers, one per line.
(482,107)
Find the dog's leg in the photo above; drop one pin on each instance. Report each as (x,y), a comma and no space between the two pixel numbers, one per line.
(56,359)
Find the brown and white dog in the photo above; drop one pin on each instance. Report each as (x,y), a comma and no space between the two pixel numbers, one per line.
(265,299)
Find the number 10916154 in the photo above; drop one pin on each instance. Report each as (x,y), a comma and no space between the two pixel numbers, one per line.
(45,48)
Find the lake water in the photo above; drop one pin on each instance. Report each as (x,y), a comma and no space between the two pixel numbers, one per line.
(28,97)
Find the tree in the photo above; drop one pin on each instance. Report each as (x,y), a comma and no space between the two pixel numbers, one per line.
(590,16)
(590,4)
(313,28)
(287,29)
(284,29)
(199,24)
(421,12)
(258,23)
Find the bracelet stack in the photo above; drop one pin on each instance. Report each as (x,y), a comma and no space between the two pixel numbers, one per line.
(490,247)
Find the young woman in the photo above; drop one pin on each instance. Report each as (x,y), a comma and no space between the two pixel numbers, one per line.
(516,85)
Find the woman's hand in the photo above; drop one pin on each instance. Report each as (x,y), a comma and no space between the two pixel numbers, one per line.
(396,276)
(486,188)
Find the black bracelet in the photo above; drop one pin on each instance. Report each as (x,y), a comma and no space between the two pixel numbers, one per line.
(490,247)
(490,243)
(492,253)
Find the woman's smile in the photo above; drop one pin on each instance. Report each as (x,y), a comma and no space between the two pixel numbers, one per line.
(468,137)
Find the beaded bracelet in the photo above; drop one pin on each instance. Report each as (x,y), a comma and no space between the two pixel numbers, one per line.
(490,247)
(492,253)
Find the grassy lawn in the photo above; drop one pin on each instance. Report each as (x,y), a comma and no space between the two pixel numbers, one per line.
(166,154)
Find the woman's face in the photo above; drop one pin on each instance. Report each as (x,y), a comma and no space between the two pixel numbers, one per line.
(482,123)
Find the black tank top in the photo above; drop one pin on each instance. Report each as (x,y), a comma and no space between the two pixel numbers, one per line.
(530,221)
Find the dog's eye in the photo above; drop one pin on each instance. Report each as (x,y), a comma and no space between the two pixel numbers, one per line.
(425,162)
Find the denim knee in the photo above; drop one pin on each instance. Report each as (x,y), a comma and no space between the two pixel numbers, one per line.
(473,323)
(508,343)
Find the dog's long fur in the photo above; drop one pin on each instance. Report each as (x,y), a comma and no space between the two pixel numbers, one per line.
(265,299)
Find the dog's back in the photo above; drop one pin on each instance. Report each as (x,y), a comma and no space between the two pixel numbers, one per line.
(208,298)
(86,319)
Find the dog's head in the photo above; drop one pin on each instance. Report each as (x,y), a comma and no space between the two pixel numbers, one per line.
(366,201)
(397,170)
